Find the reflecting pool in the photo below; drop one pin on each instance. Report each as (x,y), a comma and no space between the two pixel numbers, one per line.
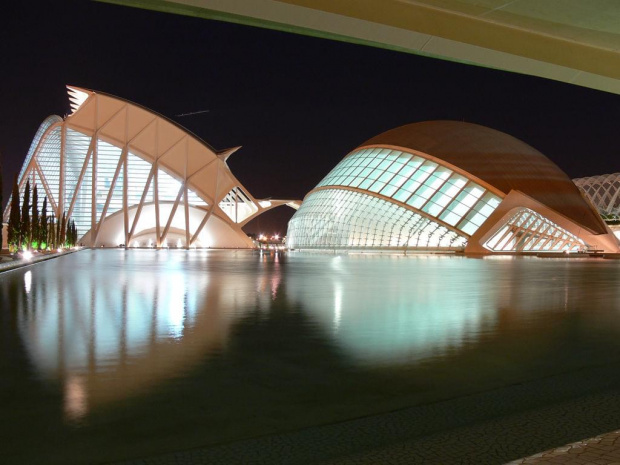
(110,355)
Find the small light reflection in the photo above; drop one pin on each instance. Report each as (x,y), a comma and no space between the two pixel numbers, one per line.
(28,281)
(337,306)
(75,399)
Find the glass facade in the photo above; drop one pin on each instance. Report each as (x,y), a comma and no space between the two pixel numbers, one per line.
(45,125)
(108,156)
(528,231)
(337,218)
(395,181)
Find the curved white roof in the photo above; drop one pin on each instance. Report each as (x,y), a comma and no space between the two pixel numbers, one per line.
(128,175)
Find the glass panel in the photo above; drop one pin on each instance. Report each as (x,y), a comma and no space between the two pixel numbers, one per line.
(334,218)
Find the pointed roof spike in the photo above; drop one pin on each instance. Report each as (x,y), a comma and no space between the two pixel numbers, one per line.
(224,154)
(77,96)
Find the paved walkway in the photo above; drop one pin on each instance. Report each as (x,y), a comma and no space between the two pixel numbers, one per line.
(394,438)
(7,264)
(600,450)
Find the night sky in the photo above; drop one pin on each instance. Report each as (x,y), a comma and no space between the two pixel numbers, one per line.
(295,104)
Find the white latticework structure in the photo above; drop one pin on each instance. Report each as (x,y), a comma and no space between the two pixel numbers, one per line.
(127,175)
(528,231)
(604,192)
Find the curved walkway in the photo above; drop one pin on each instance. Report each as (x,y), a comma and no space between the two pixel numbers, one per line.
(8,264)
(600,450)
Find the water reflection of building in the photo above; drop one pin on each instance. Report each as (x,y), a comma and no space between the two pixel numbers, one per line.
(130,321)
(392,310)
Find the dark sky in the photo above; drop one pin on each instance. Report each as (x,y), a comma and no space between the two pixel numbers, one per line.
(296,104)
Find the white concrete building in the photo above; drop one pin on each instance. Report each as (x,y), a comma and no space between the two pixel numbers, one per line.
(130,176)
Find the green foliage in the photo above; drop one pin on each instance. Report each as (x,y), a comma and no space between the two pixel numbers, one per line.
(57,242)
(43,225)
(51,232)
(62,238)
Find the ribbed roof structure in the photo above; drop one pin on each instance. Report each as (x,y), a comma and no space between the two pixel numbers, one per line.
(498,159)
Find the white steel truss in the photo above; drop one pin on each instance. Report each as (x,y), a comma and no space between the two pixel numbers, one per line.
(528,231)
(604,192)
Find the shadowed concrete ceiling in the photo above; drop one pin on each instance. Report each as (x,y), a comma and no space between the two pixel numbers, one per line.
(574,41)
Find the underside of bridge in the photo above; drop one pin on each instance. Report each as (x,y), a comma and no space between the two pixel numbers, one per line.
(572,41)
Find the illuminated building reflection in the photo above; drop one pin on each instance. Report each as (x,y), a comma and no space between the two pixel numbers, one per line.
(124,321)
(390,310)
(382,310)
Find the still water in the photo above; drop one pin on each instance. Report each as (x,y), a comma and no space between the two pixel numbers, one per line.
(110,355)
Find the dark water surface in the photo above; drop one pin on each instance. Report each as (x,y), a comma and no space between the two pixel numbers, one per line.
(110,355)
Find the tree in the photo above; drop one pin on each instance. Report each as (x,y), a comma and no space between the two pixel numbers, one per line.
(73,238)
(34,221)
(69,240)
(75,233)
(13,236)
(43,242)
(63,230)
(51,233)
(24,231)
(57,242)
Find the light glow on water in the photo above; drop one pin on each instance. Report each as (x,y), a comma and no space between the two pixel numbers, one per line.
(125,341)
(28,281)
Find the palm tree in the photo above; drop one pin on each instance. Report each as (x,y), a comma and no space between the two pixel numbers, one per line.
(24,231)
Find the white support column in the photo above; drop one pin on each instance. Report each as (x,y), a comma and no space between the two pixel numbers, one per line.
(125,200)
(156,190)
(141,204)
(187,238)
(81,178)
(63,163)
(126,179)
(201,225)
(186,201)
(211,207)
(93,200)
(110,193)
(46,186)
(172,213)
(156,205)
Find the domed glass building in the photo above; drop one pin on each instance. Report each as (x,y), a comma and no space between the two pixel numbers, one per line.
(448,186)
